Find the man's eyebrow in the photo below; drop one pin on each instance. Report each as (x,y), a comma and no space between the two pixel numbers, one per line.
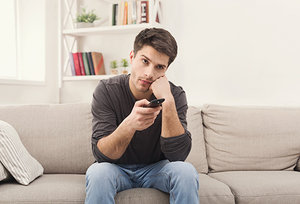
(150,61)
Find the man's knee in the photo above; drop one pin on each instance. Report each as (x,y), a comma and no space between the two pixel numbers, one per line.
(185,173)
(100,173)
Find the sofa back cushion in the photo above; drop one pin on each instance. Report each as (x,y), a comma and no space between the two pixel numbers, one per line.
(251,138)
(58,136)
(197,155)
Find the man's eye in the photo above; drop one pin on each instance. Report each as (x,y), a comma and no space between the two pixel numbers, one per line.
(160,67)
(145,61)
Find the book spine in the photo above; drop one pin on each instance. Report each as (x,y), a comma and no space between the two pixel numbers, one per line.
(76,64)
(114,14)
(71,60)
(138,9)
(91,65)
(81,63)
(85,63)
(125,17)
(98,63)
(144,12)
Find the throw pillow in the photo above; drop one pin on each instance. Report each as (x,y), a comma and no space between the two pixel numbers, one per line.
(3,173)
(14,156)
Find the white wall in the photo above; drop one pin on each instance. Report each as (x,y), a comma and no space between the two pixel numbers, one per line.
(239,52)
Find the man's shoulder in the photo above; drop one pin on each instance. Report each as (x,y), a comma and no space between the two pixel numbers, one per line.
(175,88)
(116,80)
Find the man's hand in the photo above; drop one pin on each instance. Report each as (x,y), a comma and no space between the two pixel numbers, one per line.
(161,88)
(140,117)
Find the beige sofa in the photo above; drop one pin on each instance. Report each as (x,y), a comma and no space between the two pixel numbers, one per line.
(242,154)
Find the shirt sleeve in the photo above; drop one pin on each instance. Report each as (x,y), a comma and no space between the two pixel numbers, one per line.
(104,120)
(177,148)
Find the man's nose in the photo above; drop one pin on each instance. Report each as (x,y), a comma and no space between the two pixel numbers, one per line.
(149,71)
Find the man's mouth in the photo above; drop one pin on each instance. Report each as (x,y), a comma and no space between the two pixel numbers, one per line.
(146,82)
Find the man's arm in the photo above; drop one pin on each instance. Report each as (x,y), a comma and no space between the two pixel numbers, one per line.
(175,138)
(114,145)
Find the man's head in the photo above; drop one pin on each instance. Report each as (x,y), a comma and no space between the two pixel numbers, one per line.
(154,50)
(159,39)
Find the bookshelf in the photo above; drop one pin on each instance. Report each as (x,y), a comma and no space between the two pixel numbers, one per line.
(70,37)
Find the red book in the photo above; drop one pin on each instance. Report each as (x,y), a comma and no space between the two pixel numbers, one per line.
(98,62)
(81,63)
(76,64)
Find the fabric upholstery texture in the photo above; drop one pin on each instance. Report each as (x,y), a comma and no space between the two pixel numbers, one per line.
(58,136)
(14,156)
(212,191)
(197,155)
(262,187)
(298,165)
(49,188)
(3,172)
(251,138)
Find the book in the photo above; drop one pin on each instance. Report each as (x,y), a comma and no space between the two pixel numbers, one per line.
(138,12)
(114,14)
(133,10)
(81,63)
(144,12)
(98,62)
(120,13)
(76,64)
(91,65)
(72,63)
(86,64)
(125,15)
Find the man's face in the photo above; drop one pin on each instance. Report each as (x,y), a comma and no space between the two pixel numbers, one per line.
(146,66)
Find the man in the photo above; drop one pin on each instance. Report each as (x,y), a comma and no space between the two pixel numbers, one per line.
(137,146)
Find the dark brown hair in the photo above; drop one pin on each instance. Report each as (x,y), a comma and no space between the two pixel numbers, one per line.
(161,40)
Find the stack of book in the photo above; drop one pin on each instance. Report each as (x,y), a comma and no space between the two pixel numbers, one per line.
(87,63)
(130,12)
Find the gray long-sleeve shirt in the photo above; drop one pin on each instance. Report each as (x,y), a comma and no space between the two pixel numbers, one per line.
(113,102)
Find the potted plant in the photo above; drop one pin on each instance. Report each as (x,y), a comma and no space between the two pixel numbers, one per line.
(124,66)
(86,19)
(114,67)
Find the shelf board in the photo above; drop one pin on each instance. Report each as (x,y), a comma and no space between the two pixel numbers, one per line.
(86,78)
(108,29)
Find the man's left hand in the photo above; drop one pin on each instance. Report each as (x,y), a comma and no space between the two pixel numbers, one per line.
(161,88)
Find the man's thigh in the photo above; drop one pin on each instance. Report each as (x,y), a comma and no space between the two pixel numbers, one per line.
(164,174)
(109,176)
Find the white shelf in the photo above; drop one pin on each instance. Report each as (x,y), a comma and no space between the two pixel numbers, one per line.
(86,78)
(109,29)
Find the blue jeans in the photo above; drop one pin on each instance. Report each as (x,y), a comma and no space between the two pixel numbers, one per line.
(179,179)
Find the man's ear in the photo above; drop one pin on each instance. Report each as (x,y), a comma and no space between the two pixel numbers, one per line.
(131,56)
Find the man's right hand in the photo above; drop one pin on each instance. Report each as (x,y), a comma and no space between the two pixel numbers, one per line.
(140,117)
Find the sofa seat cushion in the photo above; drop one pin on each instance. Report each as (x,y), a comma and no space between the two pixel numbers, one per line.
(142,195)
(49,188)
(262,186)
(70,188)
(214,191)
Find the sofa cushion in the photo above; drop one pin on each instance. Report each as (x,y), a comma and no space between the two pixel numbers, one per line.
(142,195)
(14,156)
(197,155)
(50,188)
(70,188)
(214,191)
(251,138)
(262,187)
(58,136)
